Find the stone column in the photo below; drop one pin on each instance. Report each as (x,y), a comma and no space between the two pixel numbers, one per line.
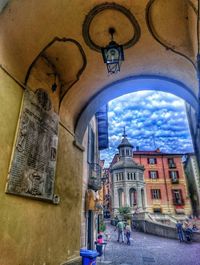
(127,195)
(139,197)
(116,198)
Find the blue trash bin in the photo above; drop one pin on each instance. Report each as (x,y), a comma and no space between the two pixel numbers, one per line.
(88,256)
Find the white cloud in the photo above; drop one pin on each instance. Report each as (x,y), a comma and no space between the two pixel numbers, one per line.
(152,119)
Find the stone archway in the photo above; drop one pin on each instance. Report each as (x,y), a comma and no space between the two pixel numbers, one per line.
(133,197)
(128,85)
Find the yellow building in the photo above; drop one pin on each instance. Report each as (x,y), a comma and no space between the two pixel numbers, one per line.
(52,82)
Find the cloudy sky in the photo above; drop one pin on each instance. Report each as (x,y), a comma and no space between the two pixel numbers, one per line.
(152,119)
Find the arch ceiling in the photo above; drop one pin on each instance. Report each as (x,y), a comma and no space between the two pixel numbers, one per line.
(160,39)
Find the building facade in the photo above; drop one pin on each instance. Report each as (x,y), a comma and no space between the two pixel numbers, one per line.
(128,188)
(95,139)
(165,182)
(193,178)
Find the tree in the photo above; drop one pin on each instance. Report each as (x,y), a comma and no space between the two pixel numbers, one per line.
(124,212)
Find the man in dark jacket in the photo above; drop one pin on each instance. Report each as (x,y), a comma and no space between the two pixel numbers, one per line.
(179,227)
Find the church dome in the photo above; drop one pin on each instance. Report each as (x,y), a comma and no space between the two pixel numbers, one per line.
(128,163)
(125,142)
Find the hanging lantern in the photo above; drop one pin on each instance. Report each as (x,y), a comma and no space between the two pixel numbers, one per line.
(113,55)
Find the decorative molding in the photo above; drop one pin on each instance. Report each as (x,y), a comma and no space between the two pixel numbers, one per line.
(100,8)
(79,146)
(157,37)
(62,124)
(80,71)
(13,78)
(192,6)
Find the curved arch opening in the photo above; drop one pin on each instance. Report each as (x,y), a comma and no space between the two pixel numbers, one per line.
(126,86)
(133,197)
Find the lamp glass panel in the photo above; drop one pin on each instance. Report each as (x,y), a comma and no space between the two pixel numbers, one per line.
(113,55)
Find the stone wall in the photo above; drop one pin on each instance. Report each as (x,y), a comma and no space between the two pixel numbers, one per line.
(160,230)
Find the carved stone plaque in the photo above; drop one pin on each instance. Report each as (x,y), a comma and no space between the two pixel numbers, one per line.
(32,170)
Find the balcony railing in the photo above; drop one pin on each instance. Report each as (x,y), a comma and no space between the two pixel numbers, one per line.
(174,181)
(94,180)
(178,202)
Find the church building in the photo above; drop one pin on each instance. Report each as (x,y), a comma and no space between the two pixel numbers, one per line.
(128,186)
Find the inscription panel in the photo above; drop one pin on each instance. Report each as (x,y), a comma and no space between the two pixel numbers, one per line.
(32,170)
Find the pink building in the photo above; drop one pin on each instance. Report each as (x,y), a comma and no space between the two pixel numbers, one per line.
(165,182)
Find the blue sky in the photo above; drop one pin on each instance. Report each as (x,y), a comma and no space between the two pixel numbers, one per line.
(152,119)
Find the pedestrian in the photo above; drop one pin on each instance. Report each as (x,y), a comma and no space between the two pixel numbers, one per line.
(188,232)
(194,228)
(99,244)
(179,227)
(128,234)
(120,229)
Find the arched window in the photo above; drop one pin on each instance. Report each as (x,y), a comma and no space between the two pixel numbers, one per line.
(127,152)
(133,197)
(121,197)
(116,177)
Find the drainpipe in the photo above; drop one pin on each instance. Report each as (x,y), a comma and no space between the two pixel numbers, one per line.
(165,184)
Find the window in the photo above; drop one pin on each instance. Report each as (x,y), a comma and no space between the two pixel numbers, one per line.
(153,174)
(152,161)
(127,152)
(157,210)
(140,176)
(155,194)
(129,175)
(117,177)
(133,197)
(174,176)
(177,197)
(121,176)
(171,163)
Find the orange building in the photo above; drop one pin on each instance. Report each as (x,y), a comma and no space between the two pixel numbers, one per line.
(165,182)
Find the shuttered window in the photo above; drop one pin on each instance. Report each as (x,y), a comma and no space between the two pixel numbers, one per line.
(155,194)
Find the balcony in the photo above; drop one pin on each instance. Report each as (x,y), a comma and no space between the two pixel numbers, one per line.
(178,202)
(174,181)
(94,180)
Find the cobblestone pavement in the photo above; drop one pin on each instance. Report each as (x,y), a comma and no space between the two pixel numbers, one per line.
(148,250)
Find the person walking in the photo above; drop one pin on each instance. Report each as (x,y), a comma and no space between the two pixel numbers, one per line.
(179,227)
(120,228)
(128,234)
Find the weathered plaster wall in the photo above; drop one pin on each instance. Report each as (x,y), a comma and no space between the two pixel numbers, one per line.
(35,232)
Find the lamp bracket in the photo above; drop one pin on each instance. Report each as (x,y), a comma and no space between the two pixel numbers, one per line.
(112,31)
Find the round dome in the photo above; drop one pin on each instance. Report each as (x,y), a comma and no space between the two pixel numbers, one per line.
(126,164)
(125,142)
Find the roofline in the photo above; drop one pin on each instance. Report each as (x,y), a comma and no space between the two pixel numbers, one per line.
(148,153)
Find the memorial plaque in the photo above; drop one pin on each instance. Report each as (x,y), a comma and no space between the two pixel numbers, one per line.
(32,170)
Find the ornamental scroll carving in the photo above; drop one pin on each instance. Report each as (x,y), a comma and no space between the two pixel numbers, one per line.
(32,170)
